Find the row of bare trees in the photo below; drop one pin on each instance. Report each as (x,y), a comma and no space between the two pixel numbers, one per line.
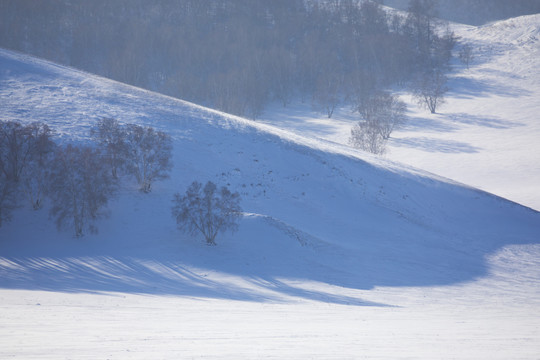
(78,180)
(25,154)
(235,55)
(381,112)
(142,152)
(80,186)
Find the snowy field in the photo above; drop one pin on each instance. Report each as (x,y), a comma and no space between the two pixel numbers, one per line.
(340,254)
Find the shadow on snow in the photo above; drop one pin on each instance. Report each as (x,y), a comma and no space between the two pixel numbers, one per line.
(104,274)
(435,145)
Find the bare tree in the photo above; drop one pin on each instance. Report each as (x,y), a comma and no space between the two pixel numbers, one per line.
(81,186)
(24,151)
(383,112)
(34,176)
(466,54)
(148,155)
(281,71)
(430,89)
(420,23)
(366,136)
(17,148)
(8,187)
(109,134)
(207,210)
(8,198)
(326,96)
(35,180)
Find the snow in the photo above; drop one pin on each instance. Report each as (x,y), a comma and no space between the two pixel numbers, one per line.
(491,318)
(340,254)
(137,327)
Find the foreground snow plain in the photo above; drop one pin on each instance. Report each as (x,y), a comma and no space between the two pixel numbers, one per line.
(340,254)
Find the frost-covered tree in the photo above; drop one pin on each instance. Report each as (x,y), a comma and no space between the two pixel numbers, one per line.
(383,112)
(380,113)
(24,150)
(35,175)
(112,138)
(81,186)
(420,24)
(366,136)
(248,53)
(466,55)
(430,89)
(326,96)
(8,198)
(148,155)
(207,210)
(17,148)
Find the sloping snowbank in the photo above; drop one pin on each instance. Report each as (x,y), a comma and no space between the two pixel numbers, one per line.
(338,249)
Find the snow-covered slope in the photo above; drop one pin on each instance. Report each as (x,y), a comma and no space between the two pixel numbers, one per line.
(486,135)
(334,242)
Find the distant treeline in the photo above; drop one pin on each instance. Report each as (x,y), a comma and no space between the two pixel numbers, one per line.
(235,55)
(478,12)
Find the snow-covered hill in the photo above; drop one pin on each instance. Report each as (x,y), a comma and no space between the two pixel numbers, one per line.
(486,135)
(340,254)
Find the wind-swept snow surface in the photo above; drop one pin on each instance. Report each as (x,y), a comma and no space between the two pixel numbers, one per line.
(339,254)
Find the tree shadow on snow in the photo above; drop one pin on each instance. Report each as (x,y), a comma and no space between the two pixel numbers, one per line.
(104,274)
(450,122)
(481,121)
(265,263)
(435,145)
(468,88)
(429,124)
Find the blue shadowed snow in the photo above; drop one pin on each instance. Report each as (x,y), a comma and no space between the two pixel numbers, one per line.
(315,211)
